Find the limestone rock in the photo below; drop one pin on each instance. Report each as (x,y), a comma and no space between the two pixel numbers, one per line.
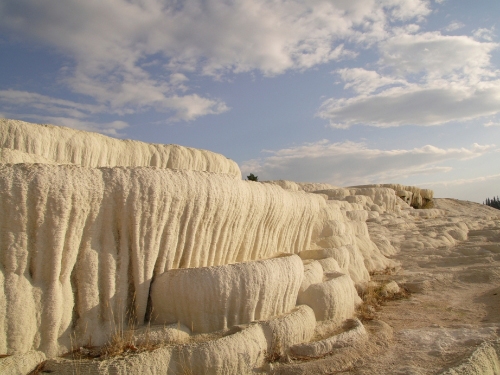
(354,332)
(390,289)
(209,299)
(161,334)
(106,232)
(330,265)
(10,156)
(313,274)
(21,363)
(66,145)
(334,299)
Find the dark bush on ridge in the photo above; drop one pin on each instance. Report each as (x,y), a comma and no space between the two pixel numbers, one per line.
(493,202)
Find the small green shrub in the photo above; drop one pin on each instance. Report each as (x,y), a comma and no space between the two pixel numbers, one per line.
(252,177)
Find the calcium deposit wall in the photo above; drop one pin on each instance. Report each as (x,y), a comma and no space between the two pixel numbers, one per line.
(66,145)
(79,246)
(89,223)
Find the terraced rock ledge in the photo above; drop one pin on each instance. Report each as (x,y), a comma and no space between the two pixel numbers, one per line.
(128,258)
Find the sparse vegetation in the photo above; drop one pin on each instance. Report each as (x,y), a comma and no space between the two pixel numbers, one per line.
(493,202)
(252,177)
(276,352)
(38,369)
(385,271)
(374,297)
(428,203)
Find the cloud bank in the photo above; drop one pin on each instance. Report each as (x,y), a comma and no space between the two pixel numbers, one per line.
(422,79)
(136,55)
(351,163)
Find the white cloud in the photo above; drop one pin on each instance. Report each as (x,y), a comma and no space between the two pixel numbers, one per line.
(492,123)
(189,107)
(366,81)
(351,163)
(425,105)
(16,98)
(485,34)
(464,181)
(186,108)
(428,79)
(112,42)
(408,9)
(454,26)
(435,55)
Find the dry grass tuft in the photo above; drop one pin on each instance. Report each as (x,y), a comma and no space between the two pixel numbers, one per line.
(428,204)
(374,297)
(121,342)
(38,369)
(386,271)
(275,354)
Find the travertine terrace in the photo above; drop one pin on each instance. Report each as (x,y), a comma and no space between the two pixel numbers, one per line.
(202,272)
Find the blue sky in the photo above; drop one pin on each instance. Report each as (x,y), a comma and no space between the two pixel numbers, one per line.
(342,91)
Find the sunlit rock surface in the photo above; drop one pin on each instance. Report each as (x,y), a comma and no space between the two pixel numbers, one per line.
(167,246)
(66,145)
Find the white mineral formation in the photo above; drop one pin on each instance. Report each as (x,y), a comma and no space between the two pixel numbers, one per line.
(100,237)
(79,246)
(301,186)
(354,331)
(209,299)
(238,353)
(10,156)
(334,299)
(412,195)
(66,145)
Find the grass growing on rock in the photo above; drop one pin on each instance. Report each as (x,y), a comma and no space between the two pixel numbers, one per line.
(374,296)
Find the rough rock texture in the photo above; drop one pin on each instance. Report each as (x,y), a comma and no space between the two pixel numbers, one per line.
(313,273)
(354,332)
(21,363)
(290,329)
(333,299)
(308,187)
(161,334)
(241,352)
(79,246)
(238,353)
(485,360)
(66,145)
(11,156)
(415,196)
(82,247)
(383,197)
(210,299)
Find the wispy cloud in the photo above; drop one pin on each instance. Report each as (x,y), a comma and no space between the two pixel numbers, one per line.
(454,26)
(351,163)
(485,34)
(17,98)
(112,44)
(464,181)
(428,79)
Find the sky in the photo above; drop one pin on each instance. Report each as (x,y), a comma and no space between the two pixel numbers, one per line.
(347,92)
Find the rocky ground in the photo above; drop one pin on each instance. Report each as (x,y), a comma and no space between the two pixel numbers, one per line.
(453,307)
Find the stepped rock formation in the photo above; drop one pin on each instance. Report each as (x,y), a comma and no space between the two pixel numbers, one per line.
(215,298)
(165,251)
(70,146)
(83,244)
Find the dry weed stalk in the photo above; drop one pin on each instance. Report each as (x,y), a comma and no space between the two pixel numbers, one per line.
(385,271)
(38,369)
(374,297)
(275,354)
(122,340)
